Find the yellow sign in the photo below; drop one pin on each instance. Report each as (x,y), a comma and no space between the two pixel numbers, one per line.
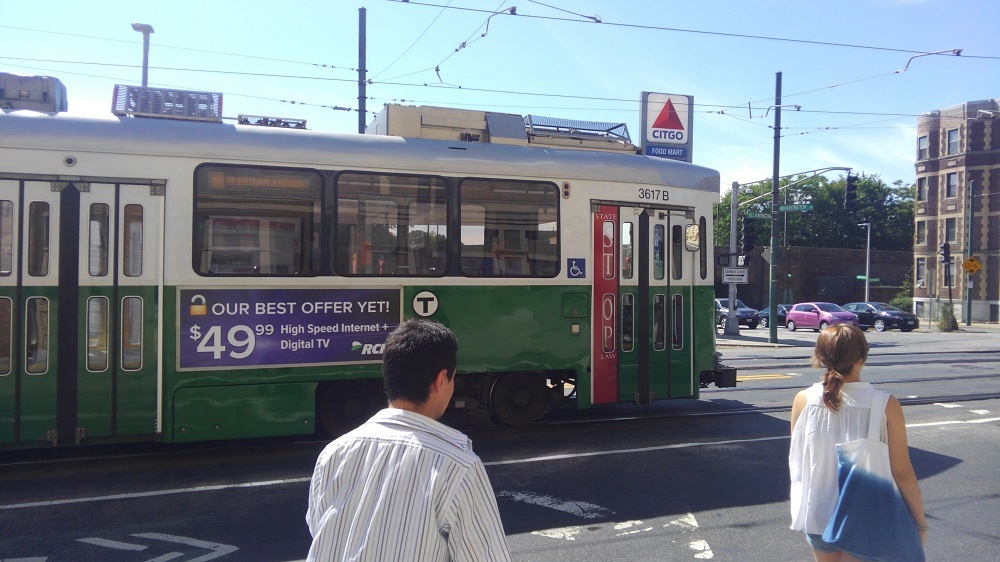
(972,265)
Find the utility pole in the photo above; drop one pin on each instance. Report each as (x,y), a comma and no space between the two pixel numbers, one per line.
(362,94)
(772,305)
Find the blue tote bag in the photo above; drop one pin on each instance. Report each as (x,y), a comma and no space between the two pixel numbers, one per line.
(871,520)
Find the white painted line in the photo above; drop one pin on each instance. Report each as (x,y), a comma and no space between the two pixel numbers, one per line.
(566,533)
(156,493)
(166,557)
(686,522)
(578,508)
(216,548)
(631,451)
(702,550)
(949,405)
(980,412)
(952,422)
(107,543)
(630,528)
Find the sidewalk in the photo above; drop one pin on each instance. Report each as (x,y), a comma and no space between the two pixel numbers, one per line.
(807,338)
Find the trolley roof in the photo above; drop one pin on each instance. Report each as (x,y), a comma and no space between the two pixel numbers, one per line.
(227,142)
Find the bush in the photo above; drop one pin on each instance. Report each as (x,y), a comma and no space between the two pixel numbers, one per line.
(902,301)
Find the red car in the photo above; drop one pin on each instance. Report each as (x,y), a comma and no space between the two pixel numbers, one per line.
(817,315)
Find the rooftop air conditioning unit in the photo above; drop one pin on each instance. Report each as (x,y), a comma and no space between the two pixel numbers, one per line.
(920,284)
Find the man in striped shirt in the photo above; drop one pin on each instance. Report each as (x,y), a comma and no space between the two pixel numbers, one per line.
(404,486)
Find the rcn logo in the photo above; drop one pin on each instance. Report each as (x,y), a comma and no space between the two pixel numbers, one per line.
(368,348)
(667,125)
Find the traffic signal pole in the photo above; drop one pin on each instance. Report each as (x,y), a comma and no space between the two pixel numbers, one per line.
(968,254)
(772,306)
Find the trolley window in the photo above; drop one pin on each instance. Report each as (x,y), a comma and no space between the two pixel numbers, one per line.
(131,330)
(36,342)
(677,249)
(6,237)
(628,325)
(256,221)
(132,233)
(391,225)
(99,244)
(626,252)
(5,335)
(659,239)
(509,229)
(38,239)
(703,247)
(97,334)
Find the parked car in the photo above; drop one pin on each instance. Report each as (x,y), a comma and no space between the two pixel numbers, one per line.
(765,315)
(745,315)
(817,315)
(882,316)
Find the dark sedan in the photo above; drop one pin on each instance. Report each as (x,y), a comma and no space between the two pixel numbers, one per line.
(765,315)
(882,316)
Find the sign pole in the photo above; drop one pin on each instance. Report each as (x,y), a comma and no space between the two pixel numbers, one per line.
(968,287)
(732,326)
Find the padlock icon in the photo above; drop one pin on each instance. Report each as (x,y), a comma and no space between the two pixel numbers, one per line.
(198,309)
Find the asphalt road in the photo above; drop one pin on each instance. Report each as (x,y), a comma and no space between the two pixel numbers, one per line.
(680,480)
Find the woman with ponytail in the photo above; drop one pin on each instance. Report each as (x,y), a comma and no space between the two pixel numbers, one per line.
(833,411)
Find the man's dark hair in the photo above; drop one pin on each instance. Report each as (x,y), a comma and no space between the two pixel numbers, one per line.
(414,354)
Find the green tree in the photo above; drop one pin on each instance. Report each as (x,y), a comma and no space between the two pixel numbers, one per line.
(889,209)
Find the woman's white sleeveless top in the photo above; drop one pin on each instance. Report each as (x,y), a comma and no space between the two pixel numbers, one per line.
(812,457)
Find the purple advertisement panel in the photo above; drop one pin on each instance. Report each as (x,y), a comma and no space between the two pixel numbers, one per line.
(227,328)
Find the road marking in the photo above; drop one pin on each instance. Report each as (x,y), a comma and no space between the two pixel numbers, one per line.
(702,550)
(217,549)
(567,533)
(135,495)
(627,528)
(686,522)
(950,405)
(578,508)
(743,378)
(980,412)
(107,543)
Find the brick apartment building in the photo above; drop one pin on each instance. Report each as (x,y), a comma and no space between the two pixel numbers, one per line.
(958,155)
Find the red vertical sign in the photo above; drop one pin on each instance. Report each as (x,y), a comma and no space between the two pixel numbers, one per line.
(605,313)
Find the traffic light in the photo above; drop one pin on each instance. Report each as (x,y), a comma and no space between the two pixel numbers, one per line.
(850,193)
(946,253)
(748,241)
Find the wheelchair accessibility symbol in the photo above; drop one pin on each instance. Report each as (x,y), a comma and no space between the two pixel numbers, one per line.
(576,268)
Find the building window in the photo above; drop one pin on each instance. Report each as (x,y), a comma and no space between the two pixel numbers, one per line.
(952,141)
(922,148)
(921,232)
(951,186)
(921,273)
(921,189)
(949,230)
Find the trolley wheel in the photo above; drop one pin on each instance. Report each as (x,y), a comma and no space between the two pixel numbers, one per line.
(519,398)
(880,325)
(790,325)
(343,405)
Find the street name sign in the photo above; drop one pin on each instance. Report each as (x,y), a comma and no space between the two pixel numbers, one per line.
(735,275)
(758,215)
(802,207)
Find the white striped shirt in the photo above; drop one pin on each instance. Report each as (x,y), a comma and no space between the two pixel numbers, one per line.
(403,487)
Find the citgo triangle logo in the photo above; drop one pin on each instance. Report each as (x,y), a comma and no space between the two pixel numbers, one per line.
(668,118)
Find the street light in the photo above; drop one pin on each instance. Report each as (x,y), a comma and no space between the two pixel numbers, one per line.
(145,29)
(868,258)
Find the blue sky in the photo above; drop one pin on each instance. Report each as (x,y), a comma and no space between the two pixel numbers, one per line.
(550,60)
